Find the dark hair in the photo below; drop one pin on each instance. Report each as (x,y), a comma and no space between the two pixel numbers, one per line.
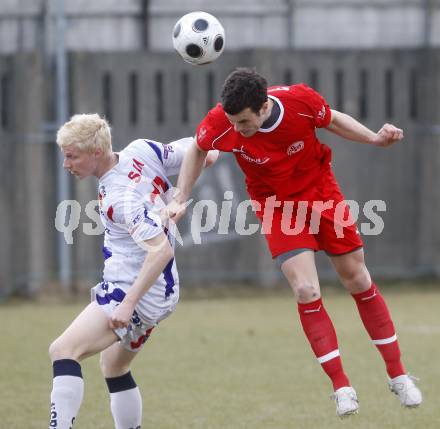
(243,88)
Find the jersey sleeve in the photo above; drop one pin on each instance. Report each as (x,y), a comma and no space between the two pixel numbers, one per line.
(167,156)
(211,130)
(204,135)
(173,154)
(140,223)
(315,104)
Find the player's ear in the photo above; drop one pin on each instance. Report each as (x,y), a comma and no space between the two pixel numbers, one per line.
(264,108)
(98,152)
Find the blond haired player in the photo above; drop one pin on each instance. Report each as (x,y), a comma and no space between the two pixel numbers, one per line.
(140,285)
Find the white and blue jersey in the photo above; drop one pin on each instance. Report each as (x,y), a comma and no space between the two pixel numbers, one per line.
(131,195)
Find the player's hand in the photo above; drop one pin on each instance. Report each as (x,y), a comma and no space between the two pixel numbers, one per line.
(388,135)
(174,210)
(121,316)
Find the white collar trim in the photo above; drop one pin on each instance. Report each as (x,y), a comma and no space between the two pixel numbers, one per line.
(280,118)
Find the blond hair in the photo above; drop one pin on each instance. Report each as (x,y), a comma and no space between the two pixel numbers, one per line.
(86,132)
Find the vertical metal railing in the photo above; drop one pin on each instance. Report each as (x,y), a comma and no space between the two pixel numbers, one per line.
(63,250)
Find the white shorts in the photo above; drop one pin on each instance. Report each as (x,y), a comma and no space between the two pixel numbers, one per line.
(145,317)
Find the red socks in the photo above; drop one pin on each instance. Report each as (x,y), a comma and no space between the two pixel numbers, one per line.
(377,321)
(321,334)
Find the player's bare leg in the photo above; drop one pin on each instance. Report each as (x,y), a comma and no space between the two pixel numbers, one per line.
(116,360)
(300,271)
(88,334)
(125,397)
(377,321)
(352,271)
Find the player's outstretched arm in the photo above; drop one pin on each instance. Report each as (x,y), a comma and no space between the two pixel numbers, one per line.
(159,254)
(192,166)
(211,158)
(349,128)
(190,171)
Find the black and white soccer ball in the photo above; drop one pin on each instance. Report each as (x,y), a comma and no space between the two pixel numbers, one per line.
(199,38)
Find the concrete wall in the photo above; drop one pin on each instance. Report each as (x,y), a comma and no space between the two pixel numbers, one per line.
(398,86)
(27,252)
(109,25)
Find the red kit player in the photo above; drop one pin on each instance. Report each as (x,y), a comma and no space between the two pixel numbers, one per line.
(272,133)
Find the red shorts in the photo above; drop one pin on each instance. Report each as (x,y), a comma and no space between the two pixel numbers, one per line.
(319,221)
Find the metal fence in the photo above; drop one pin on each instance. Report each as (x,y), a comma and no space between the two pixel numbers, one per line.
(158,96)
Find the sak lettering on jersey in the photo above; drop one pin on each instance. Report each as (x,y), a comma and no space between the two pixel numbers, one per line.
(136,175)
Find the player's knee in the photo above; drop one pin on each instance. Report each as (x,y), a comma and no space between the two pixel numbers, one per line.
(357,280)
(55,351)
(305,291)
(58,350)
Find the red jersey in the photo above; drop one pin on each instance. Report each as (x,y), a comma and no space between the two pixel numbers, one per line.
(283,160)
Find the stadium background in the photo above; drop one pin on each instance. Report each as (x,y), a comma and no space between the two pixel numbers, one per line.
(231,356)
(376,60)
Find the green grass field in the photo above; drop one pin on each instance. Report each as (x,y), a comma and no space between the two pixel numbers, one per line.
(231,363)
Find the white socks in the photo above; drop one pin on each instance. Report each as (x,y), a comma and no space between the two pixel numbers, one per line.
(125,402)
(67,393)
(126,408)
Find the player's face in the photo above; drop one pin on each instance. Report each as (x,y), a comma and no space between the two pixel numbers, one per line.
(79,163)
(247,122)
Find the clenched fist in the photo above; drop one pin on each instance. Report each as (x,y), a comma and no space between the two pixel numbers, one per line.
(121,316)
(388,135)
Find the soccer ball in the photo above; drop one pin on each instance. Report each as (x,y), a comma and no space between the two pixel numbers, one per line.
(199,38)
